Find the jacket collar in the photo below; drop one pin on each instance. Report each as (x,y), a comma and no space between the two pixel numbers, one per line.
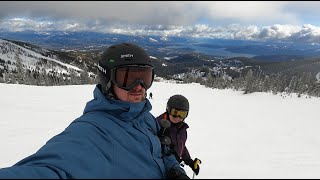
(122,110)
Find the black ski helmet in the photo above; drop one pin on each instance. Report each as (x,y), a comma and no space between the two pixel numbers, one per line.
(119,55)
(178,101)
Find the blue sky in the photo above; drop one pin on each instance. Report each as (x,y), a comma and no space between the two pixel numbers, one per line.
(294,20)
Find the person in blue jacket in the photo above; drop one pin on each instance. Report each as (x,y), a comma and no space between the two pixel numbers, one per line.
(116,137)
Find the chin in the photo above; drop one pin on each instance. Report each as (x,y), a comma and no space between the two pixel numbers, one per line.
(136,100)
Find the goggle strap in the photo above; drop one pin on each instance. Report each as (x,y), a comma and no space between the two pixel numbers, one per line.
(126,77)
(108,85)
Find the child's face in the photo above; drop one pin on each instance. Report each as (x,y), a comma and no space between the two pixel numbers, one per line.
(175,120)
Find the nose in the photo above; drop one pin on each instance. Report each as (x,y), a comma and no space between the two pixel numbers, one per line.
(138,87)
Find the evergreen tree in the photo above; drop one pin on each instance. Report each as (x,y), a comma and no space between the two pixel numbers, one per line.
(84,77)
(265,84)
(2,79)
(45,79)
(31,78)
(316,89)
(20,71)
(74,79)
(304,83)
(249,79)
(293,85)
(210,79)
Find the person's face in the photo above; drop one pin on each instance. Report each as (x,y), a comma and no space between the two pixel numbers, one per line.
(137,94)
(175,120)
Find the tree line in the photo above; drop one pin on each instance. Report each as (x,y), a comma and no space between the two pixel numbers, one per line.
(299,83)
(302,83)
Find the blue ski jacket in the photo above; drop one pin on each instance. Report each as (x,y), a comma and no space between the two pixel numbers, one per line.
(112,139)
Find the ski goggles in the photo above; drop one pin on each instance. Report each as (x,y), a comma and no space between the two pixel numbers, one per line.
(178,113)
(128,77)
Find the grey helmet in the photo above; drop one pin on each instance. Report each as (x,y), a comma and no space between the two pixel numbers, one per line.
(119,55)
(179,102)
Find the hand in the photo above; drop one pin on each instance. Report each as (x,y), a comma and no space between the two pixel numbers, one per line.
(175,174)
(194,165)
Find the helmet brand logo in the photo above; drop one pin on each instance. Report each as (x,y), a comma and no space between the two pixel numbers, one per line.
(102,69)
(127,56)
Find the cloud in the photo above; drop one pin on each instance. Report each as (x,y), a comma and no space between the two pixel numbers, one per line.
(307,33)
(163,12)
(277,31)
(285,32)
(247,20)
(260,12)
(20,24)
(166,13)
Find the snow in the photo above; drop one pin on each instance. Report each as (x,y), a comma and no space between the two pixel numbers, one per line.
(257,135)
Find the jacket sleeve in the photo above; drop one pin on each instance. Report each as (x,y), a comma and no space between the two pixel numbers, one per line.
(41,165)
(48,162)
(185,155)
(64,156)
(28,172)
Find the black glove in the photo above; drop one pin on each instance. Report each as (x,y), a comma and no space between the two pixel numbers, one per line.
(175,174)
(194,165)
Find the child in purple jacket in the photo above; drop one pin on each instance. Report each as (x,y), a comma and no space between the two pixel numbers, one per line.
(176,112)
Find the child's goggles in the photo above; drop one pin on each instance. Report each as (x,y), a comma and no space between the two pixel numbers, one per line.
(128,77)
(178,113)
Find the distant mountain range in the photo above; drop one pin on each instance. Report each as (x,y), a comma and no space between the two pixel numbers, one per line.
(171,55)
(164,46)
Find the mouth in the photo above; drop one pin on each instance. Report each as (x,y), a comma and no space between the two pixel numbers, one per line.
(135,94)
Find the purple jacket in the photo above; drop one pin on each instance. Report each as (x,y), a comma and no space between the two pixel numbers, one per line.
(178,135)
